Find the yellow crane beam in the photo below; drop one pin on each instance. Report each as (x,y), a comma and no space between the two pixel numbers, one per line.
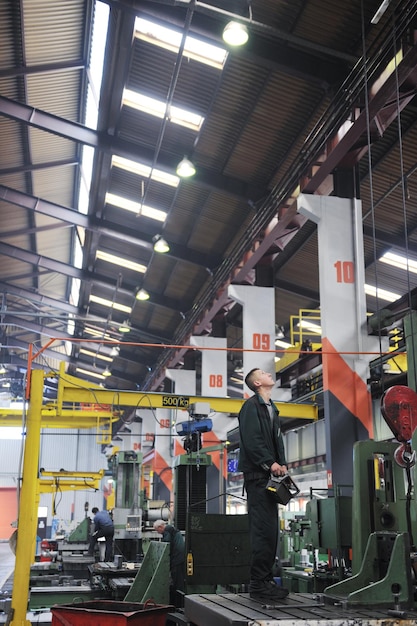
(71,390)
(63,480)
(82,404)
(66,418)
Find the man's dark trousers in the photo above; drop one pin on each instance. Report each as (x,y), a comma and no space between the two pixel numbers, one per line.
(263,529)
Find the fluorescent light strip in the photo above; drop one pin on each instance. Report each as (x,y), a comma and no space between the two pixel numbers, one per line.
(96,355)
(97,333)
(158,108)
(118,260)
(400,262)
(135,207)
(88,373)
(311,326)
(145,170)
(170,39)
(382,294)
(109,303)
(283,344)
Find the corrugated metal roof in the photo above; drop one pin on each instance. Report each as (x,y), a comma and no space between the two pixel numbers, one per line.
(268,115)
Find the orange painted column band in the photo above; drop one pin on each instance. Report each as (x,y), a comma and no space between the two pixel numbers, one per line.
(351,391)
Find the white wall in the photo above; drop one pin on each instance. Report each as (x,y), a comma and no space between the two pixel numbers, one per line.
(71,450)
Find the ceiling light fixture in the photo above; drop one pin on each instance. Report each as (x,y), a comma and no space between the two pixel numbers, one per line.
(115,351)
(106,372)
(125,327)
(235,34)
(143,295)
(160,245)
(185,168)
(2,369)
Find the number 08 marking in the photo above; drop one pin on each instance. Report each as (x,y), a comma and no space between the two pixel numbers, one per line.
(345,271)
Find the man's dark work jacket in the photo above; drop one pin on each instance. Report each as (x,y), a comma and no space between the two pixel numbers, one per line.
(261,442)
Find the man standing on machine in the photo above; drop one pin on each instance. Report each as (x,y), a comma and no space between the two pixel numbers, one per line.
(261,454)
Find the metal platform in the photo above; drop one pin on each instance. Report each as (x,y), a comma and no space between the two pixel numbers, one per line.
(240,610)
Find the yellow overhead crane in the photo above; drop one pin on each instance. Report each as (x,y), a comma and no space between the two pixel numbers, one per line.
(81,404)
(69,481)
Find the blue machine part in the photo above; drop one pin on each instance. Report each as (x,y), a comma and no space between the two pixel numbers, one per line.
(194,426)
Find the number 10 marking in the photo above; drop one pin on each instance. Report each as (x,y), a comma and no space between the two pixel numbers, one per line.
(345,271)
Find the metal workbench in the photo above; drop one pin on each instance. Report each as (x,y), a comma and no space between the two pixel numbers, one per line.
(297,608)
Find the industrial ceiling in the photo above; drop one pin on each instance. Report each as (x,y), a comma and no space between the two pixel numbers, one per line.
(308,104)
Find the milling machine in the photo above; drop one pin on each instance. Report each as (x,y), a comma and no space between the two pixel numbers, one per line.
(385,513)
(71,573)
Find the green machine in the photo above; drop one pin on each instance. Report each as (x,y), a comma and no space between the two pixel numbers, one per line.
(384,512)
(127,514)
(319,545)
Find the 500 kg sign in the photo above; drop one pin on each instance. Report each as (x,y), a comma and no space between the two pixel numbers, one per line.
(178,402)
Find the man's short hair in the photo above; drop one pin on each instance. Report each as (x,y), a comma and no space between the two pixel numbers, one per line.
(249,380)
(94,509)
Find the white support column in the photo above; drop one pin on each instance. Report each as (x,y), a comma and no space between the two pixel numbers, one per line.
(214,383)
(213,365)
(258,326)
(347,400)
(185,384)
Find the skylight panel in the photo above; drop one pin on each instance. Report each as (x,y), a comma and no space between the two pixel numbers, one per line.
(97,333)
(136,207)
(310,326)
(159,109)
(399,261)
(89,373)
(112,305)
(122,262)
(96,355)
(382,294)
(144,170)
(170,39)
(283,344)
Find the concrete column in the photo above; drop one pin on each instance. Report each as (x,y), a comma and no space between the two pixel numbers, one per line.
(258,305)
(165,434)
(347,401)
(214,383)
(213,365)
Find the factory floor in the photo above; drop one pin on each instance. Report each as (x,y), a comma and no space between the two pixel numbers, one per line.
(7,560)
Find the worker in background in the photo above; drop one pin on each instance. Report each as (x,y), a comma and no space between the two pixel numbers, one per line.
(306,347)
(173,536)
(103,527)
(261,454)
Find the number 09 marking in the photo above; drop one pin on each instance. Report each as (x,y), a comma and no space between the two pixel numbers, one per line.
(261,341)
